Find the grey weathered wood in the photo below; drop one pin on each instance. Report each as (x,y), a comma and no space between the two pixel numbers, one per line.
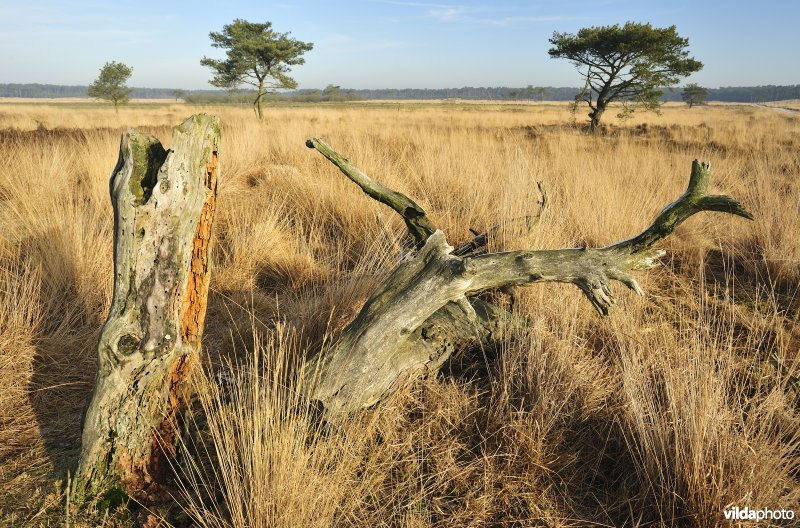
(384,344)
(163,212)
(417,222)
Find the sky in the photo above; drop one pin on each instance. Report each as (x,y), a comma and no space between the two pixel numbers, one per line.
(386,43)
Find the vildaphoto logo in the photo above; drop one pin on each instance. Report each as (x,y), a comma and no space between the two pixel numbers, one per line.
(746,514)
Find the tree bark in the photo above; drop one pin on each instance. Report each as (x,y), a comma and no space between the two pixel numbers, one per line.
(163,204)
(390,341)
(257,102)
(596,114)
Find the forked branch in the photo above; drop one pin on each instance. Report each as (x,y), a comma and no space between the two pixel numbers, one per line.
(593,269)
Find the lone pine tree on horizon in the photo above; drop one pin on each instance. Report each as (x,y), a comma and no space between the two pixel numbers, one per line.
(111,85)
(256,55)
(629,64)
(693,94)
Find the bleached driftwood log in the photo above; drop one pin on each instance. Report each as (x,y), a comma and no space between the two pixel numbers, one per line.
(163,211)
(397,333)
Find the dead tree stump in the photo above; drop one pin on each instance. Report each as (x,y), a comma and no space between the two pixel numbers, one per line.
(163,204)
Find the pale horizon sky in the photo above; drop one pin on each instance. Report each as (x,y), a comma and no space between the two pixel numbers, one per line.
(385,43)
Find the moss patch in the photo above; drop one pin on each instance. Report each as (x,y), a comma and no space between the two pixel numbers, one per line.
(148,156)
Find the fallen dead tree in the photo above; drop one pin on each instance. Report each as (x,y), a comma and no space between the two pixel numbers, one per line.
(426,309)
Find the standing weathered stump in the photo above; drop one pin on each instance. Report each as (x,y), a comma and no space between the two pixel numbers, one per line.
(163,211)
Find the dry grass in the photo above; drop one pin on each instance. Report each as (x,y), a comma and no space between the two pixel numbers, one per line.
(677,406)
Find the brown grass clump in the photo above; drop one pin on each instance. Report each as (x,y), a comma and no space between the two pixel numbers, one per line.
(678,406)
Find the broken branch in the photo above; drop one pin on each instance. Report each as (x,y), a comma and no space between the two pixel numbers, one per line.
(481,240)
(417,222)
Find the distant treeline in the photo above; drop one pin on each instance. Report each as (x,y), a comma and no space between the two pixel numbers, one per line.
(57,90)
(739,94)
(329,94)
(744,94)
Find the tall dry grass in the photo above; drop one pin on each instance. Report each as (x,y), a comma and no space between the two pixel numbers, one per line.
(677,406)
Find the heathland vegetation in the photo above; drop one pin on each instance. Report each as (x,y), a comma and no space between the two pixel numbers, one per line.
(677,406)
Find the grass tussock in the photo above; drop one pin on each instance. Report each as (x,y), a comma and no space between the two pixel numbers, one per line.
(678,406)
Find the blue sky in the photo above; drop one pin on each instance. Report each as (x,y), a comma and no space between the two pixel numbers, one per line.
(386,43)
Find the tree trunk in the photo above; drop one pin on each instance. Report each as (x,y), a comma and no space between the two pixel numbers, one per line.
(257,102)
(426,308)
(596,114)
(163,211)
